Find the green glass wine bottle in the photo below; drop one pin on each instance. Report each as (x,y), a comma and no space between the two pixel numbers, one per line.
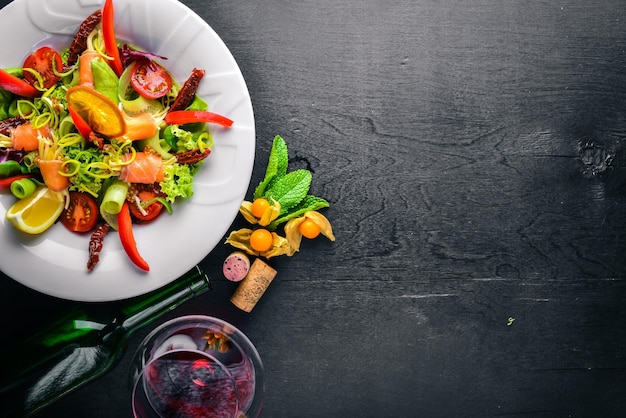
(81,345)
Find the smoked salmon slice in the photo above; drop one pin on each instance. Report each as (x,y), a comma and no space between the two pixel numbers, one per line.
(26,137)
(52,177)
(85,75)
(146,168)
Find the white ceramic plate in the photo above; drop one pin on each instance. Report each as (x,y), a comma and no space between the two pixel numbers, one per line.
(55,261)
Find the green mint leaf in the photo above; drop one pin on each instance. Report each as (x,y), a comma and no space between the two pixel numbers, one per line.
(276,165)
(290,189)
(308,203)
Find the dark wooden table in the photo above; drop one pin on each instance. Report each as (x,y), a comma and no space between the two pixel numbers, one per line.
(473,156)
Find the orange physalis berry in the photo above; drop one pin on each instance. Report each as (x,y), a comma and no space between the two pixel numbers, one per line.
(309,229)
(261,240)
(259,206)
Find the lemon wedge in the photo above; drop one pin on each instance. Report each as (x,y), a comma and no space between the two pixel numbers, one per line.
(37,212)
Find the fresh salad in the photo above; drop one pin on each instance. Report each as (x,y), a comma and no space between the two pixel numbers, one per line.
(99,136)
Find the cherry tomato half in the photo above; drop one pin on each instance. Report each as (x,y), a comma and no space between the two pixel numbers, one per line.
(46,61)
(150,79)
(152,210)
(81,214)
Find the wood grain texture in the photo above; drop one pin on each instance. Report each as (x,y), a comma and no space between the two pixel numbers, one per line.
(472,154)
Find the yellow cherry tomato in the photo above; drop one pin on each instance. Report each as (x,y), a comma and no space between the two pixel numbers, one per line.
(309,229)
(258,207)
(261,240)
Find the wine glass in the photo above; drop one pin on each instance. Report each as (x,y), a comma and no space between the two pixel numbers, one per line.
(195,366)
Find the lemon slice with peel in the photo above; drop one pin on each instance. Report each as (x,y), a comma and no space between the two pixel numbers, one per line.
(100,113)
(37,212)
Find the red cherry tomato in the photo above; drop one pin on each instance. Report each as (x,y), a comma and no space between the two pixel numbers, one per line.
(81,213)
(47,62)
(150,79)
(150,212)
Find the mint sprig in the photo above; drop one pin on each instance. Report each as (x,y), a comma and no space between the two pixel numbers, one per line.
(276,166)
(290,189)
(307,204)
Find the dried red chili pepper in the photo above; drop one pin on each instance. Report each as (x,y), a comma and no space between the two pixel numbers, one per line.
(187,91)
(8,124)
(79,43)
(192,156)
(95,245)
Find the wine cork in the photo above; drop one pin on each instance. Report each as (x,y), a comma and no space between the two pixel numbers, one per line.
(252,287)
(236,266)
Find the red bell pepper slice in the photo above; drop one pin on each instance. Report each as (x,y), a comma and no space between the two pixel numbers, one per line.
(125,229)
(110,43)
(181,117)
(83,127)
(17,86)
(5,183)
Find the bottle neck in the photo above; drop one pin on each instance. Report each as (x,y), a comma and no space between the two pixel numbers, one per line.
(142,310)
